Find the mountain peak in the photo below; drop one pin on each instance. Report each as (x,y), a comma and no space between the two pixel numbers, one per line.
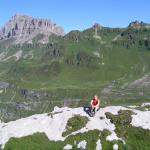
(23,28)
(97,26)
(19,15)
(136,24)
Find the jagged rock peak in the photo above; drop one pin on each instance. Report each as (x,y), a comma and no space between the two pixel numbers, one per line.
(24,28)
(136,24)
(97,25)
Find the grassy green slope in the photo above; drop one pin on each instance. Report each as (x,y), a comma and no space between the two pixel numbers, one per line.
(114,62)
(79,65)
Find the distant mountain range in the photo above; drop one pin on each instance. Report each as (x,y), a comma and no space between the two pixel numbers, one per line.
(137,25)
(24,28)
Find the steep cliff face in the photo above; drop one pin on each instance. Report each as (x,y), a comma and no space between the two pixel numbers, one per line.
(24,28)
(137,25)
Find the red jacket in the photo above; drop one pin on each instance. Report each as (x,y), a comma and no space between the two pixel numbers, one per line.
(95,103)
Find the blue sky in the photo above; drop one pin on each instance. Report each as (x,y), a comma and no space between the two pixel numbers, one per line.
(79,14)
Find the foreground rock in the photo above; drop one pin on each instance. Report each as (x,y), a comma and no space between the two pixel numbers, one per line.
(54,123)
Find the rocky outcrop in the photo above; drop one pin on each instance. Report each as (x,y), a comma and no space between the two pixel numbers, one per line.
(24,28)
(143,82)
(4,85)
(136,24)
(33,95)
(97,26)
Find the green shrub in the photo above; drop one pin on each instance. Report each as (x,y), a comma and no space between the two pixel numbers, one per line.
(75,123)
(136,138)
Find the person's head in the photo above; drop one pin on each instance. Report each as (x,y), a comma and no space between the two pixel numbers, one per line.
(95,97)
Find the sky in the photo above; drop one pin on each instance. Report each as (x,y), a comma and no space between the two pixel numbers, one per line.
(79,14)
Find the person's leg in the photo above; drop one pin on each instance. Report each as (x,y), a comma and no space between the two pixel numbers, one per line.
(94,109)
(97,108)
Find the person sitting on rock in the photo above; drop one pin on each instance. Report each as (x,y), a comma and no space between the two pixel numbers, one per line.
(95,104)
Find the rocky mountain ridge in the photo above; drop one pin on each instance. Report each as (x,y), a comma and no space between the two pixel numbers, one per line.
(23,28)
(137,24)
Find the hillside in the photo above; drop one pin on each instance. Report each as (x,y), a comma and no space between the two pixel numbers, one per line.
(113,127)
(69,69)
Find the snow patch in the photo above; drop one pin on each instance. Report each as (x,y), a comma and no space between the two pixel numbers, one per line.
(68,147)
(3,55)
(145,104)
(96,54)
(100,124)
(117,37)
(82,144)
(113,137)
(132,106)
(54,126)
(141,119)
(115,147)
(57,109)
(98,145)
(18,55)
